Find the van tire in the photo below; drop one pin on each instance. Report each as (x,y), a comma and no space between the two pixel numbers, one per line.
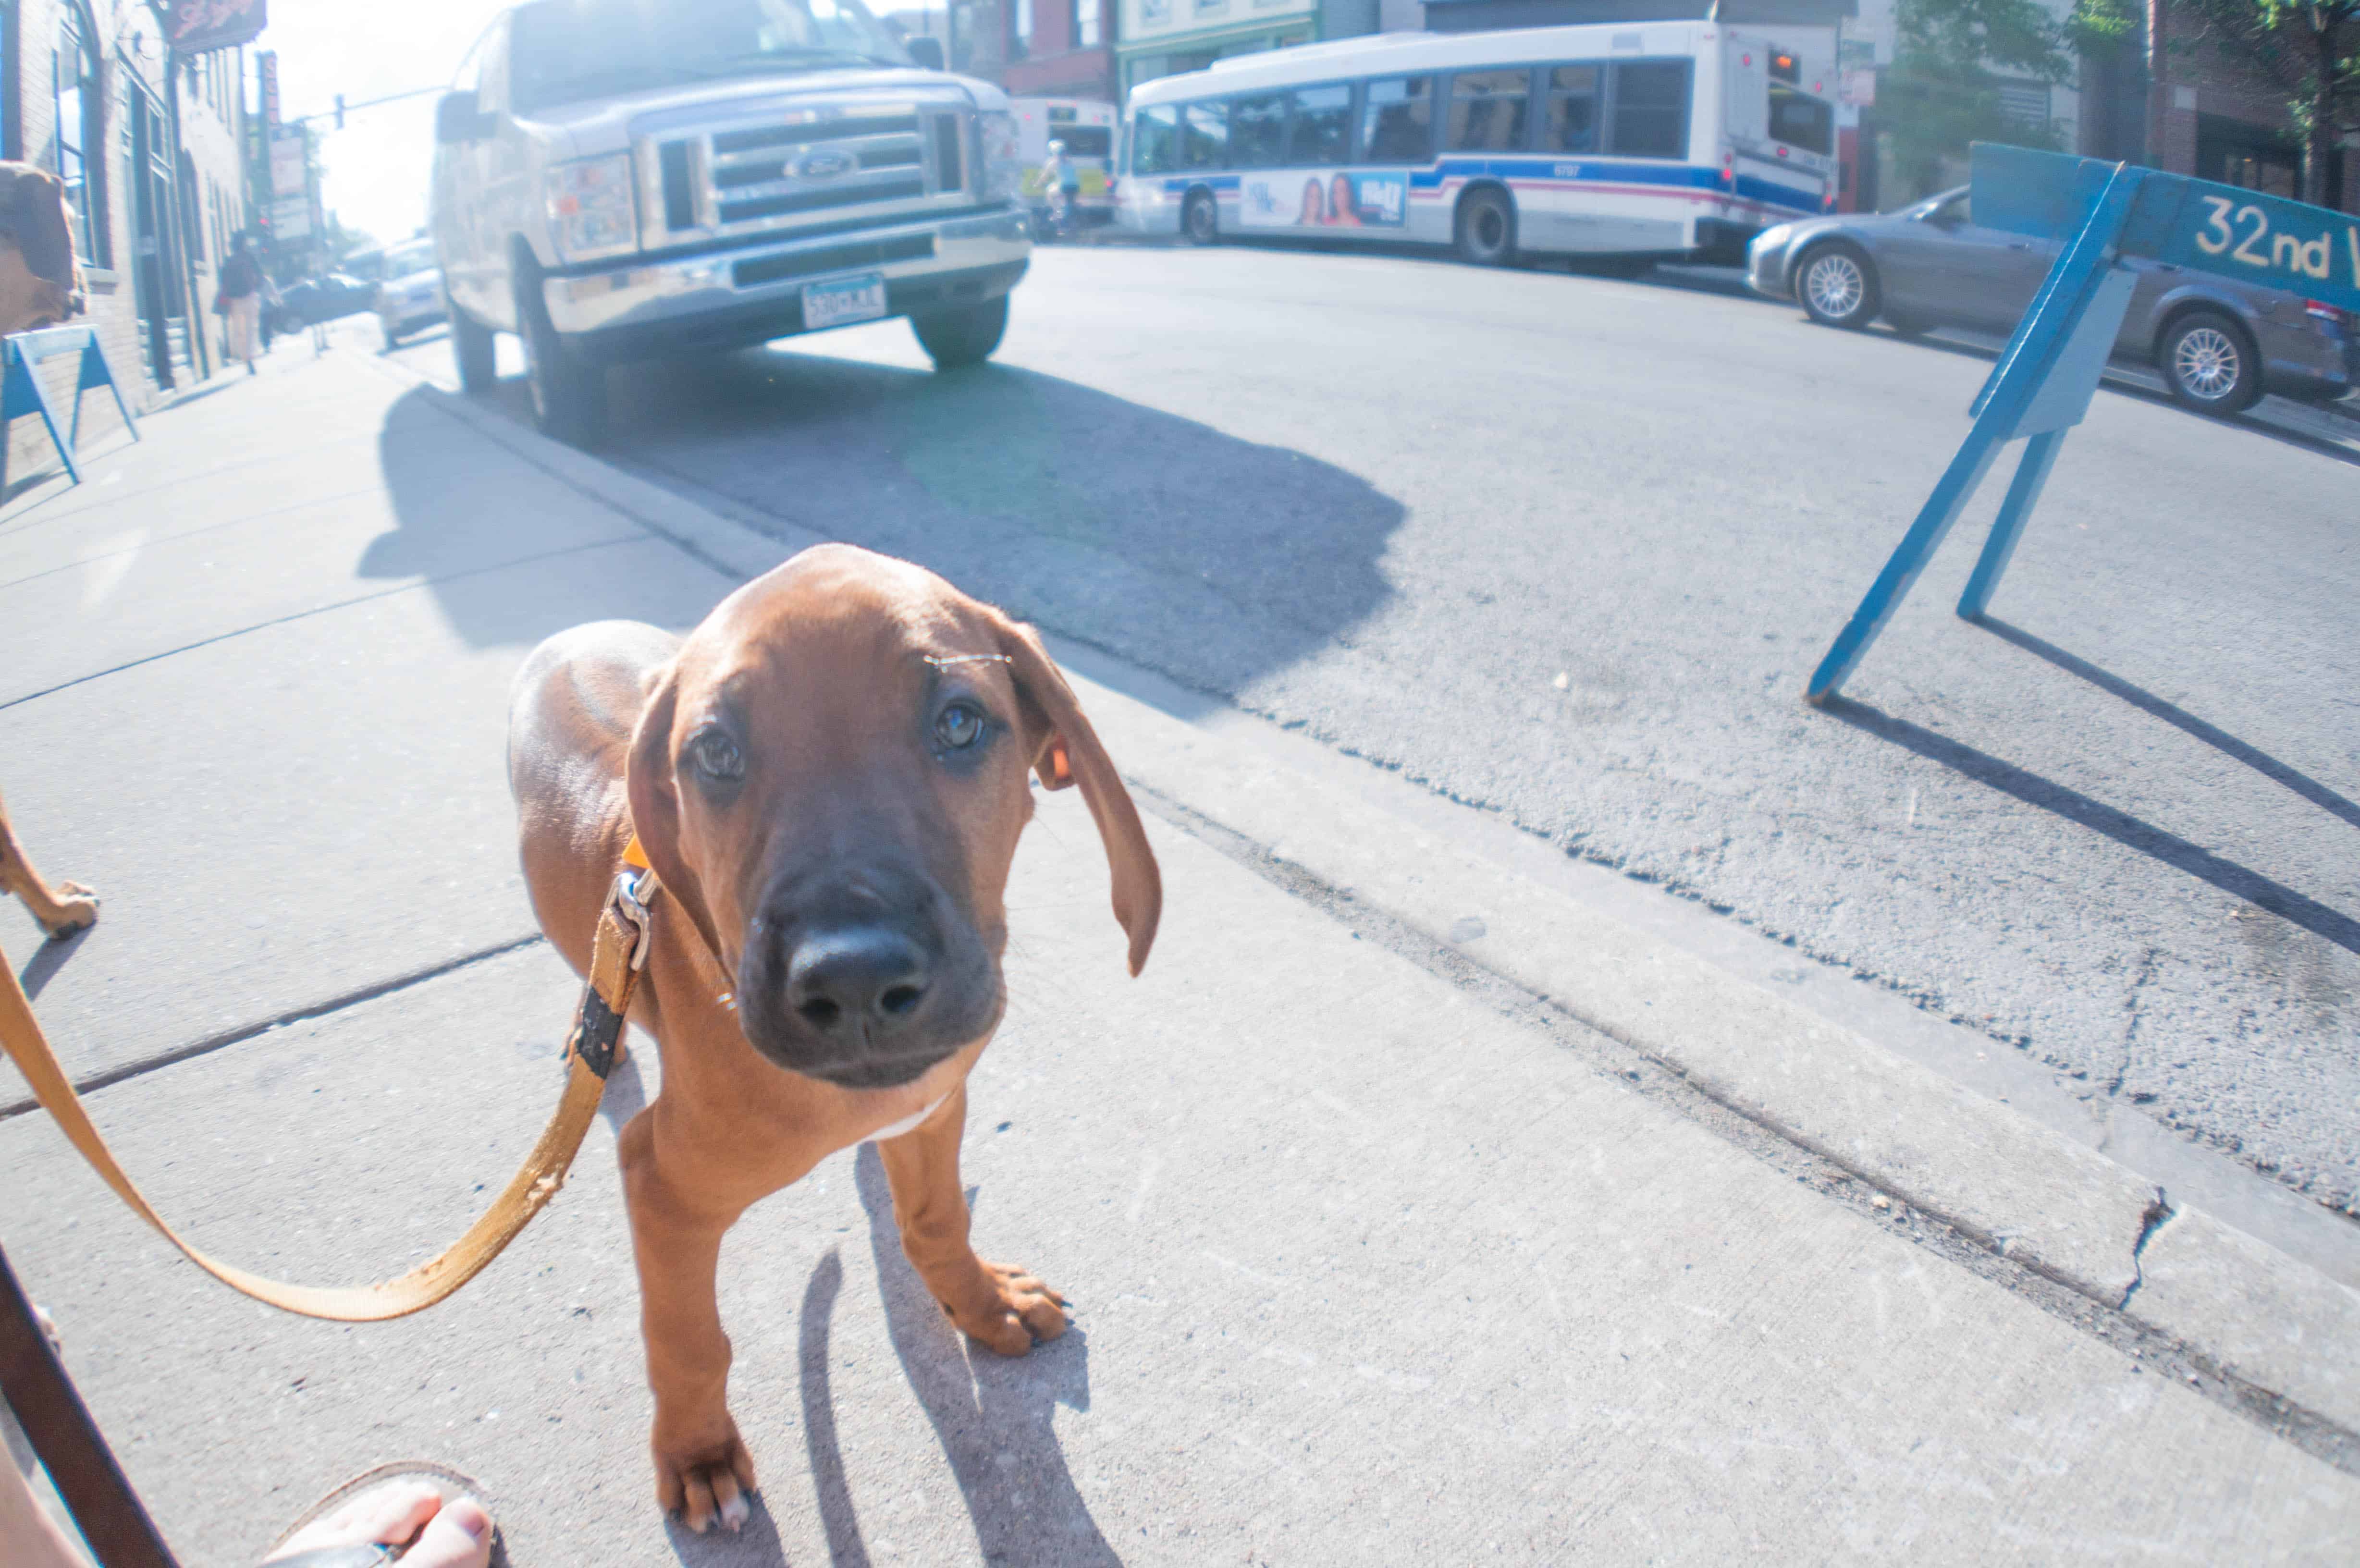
(569,390)
(963,335)
(472,346)
(2210,364)
(1486,228)
(1200,218)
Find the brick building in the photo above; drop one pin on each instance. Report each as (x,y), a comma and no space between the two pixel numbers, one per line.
(1061,49)
(2205,111)
(150,154)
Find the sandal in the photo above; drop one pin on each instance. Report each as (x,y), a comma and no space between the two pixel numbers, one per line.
(450,1483)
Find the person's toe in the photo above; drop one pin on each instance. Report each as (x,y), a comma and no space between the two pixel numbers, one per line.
(459,1536)
(391,1513)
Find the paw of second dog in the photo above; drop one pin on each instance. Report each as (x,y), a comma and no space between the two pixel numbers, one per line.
(1020,1310)
(77,909)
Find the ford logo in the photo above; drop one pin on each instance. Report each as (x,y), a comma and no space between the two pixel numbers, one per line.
(824,165)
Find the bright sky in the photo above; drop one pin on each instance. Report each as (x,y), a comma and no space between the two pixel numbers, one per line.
(376,169)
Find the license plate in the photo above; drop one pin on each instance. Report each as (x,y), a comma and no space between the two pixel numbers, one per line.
(843,300)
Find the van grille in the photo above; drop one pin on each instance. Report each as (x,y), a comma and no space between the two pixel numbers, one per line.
(822,165)
(834,259)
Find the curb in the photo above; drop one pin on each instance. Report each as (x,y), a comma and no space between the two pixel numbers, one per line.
(2285,1333)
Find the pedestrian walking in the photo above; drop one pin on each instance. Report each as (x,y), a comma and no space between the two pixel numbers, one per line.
(241,304)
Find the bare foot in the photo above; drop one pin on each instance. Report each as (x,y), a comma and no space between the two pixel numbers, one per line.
(1020,1311)
(705,1480)
(454,1534)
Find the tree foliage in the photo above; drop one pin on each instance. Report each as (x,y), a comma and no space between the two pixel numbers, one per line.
(2309,49)
(1950,59)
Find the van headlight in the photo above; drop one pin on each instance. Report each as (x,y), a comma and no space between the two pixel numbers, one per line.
(1003,170)
(591,209)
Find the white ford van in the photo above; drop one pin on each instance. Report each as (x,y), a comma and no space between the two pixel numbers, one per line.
(620,178)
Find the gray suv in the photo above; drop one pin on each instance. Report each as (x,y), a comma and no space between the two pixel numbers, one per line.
(2220,345)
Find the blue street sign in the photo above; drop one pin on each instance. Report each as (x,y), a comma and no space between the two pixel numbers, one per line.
(2048,372)
(2189,222)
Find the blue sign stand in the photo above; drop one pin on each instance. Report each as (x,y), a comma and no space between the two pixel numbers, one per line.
(21,391)
(2046,376)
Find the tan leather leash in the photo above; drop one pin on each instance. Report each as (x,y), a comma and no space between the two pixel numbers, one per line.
(595,1044)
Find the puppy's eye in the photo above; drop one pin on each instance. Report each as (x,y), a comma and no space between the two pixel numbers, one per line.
(716,755)
(960,726)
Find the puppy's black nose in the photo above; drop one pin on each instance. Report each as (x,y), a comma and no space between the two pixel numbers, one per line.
(855,980)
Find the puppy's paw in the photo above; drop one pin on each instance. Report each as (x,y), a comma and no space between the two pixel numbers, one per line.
(77,908)
(1013,1313)
(706,1481)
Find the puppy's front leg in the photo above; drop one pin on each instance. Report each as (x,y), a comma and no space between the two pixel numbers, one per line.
(701,1464)
(1000,1304)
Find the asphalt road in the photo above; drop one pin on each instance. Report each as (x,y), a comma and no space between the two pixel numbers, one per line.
(1566,548)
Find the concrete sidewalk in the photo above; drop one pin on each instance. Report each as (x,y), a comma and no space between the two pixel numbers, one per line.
(1377,1260)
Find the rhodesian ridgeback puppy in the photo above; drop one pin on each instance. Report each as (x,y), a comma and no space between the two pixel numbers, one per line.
(829,776)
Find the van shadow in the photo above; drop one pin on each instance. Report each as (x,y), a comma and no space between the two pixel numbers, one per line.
(993,1417)
(1165,540)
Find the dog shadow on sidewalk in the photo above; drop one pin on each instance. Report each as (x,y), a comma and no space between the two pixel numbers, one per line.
(993,1417)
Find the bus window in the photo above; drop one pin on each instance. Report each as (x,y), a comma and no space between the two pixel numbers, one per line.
(1487,111)
(1800,120)
(1155,140)
(1569,109)
(1323,126)
(1650,108)
(1398,126)
(1204,135)
(1257,130)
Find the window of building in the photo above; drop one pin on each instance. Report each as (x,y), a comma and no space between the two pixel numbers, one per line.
(1397,127)
(1155,140)
(1569,108)
(1019,41)
(80,137)
(1323,126)
(1204,135)
(1487,111)
(1257,130)
(1089,29)
(1650,108)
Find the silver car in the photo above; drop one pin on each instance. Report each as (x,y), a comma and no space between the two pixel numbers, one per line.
(2220,345)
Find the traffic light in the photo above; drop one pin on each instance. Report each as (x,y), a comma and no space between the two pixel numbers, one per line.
(339,111)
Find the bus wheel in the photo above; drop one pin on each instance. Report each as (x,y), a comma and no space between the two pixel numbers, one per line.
(1487,228)
(1838,287)
(1200,220)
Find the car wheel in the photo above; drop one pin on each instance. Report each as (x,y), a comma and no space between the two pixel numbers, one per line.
(1200,220)
(963,336)
(569,390)
(1487,228)
(1838,287)
(2210,364)
(473,345)
(392,337)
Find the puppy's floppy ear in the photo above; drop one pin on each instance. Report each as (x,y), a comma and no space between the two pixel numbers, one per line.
(655,803)
(1066,750)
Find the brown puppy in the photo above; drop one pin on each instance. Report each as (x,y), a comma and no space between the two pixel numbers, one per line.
(829,776)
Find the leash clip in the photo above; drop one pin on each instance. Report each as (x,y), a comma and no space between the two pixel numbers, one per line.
(629,904)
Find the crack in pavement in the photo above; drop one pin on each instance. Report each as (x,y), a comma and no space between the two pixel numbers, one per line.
(304,1013)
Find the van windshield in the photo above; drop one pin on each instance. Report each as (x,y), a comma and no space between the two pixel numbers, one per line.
(566,51)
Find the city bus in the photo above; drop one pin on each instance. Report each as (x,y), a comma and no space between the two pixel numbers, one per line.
(1653,140)
(1086,127)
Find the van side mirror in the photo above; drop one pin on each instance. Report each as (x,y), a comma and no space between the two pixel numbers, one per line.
(925,53)
(457,120)
(1943,217)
